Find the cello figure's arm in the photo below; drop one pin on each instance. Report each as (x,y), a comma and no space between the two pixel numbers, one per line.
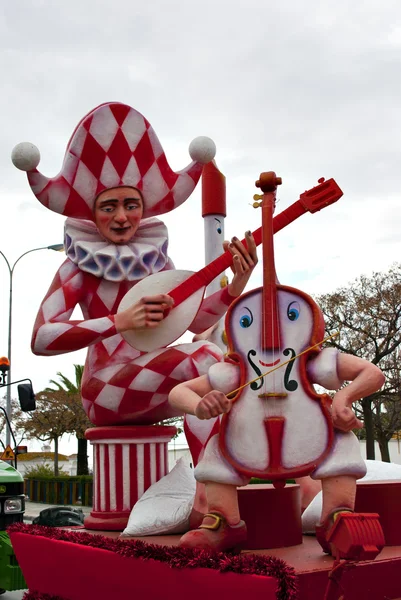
(323,369)
(365,379)
(196,397)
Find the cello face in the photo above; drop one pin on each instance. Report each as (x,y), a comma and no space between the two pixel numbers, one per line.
(296,320)
(267,433)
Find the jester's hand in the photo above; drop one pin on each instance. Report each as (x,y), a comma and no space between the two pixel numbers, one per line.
(212,405)
(343,416)
(147,313)
(244,261)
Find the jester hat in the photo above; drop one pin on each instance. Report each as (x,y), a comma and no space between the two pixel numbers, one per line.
(113,145)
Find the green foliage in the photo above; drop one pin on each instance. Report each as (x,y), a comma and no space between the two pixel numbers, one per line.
(256,480)
(177,422)
(44,471)
(68,386)
(69,393)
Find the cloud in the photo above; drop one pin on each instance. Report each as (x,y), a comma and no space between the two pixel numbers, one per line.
(305,89)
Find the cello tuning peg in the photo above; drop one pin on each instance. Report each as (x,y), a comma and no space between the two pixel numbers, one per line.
(256,204)
(258,196)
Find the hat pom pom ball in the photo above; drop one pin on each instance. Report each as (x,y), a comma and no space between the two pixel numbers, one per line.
(25,156)
(202,149)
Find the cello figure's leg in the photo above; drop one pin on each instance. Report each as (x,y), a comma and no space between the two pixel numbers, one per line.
(309,489)
(341,532)
(221,528)
(337,491)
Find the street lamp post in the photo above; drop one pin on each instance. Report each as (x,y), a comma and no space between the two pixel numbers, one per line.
(55,247)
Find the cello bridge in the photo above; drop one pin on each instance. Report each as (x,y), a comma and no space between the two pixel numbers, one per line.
(273,395)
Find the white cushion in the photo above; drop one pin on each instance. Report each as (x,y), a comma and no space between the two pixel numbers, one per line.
(165,507)
(376,471)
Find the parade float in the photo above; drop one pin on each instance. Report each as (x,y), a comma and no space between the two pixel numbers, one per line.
(131,371)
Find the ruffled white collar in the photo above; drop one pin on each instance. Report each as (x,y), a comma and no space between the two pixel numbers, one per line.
(145,254)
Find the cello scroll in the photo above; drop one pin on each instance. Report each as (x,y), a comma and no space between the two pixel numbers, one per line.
(268,182)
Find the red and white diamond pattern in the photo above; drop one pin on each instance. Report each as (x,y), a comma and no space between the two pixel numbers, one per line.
(114,145)
(120,385)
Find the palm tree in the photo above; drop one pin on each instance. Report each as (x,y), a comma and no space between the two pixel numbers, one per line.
(72,393)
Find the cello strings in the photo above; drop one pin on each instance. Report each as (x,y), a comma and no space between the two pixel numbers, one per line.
(272,404)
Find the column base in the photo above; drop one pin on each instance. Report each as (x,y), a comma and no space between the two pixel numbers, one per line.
(107,521)
(127,461)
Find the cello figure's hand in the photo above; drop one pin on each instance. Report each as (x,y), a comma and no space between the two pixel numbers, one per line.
(147,313)
(343,416)
(365,379)
(213,404)
(244,261)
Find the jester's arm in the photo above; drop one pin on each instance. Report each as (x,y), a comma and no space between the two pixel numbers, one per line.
(53,332)
(215,306)
(196,397)
(212,309)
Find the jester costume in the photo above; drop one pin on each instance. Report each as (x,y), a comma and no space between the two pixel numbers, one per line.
(114,145)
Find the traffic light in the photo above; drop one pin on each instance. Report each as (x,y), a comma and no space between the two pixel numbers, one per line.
(26,397)
(4,364)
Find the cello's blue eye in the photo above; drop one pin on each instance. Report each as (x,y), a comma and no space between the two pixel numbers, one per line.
(219,230)
(293,311)
(246,320)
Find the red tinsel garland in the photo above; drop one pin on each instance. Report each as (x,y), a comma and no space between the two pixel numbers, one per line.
(174,556)
(33,595)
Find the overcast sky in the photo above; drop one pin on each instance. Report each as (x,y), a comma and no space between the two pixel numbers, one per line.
(308,89)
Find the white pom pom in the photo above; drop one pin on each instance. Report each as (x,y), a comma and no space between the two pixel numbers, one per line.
(202,149)
(25,156)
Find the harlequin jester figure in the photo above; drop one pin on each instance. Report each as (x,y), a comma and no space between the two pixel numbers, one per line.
(275,425)
(114,181)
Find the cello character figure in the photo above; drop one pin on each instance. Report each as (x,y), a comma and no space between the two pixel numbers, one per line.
(268,419)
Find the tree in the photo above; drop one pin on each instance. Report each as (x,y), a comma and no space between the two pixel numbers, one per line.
(387,409)
(367,315)
(69,394)
(19,435)
(177,422)
(48,422)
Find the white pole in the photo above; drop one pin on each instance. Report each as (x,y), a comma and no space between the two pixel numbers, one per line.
(214,213)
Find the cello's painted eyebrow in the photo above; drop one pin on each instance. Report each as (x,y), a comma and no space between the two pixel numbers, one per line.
(217,220)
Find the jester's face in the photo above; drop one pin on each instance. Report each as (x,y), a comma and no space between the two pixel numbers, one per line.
(118,212)
(299,326)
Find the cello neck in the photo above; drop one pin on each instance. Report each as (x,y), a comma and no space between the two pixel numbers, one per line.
(313,200)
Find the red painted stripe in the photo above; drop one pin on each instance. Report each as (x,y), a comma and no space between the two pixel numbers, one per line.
(97,450)
(166,469)
(119,476)
(275,429)
(146,467)
(106,478)
(213,191)
(159,454)
(133,474)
